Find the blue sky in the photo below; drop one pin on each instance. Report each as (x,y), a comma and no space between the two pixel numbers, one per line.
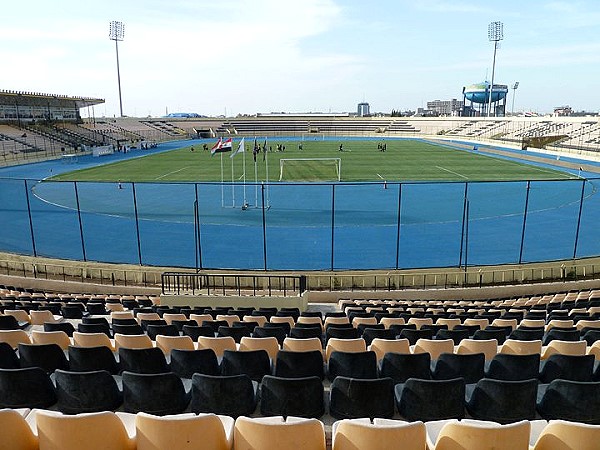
(247,56)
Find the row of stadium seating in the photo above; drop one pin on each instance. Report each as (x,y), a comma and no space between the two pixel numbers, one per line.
(32,429)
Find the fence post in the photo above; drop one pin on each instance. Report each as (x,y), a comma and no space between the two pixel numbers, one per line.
(30,219)
(524,221)
(79,219)
(398,225)
(579,219)
(137,223)
(462,231)
(198,249)
(332,223)
(264,224)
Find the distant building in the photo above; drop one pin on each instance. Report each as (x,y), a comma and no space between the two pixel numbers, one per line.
(446,107)
(363,110)
(563,111)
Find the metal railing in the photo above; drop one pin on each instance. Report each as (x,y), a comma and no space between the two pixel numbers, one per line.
(176,283)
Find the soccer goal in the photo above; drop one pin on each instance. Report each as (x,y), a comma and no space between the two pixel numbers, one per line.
(310,169)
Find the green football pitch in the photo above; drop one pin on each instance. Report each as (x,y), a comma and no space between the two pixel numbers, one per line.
(361,160)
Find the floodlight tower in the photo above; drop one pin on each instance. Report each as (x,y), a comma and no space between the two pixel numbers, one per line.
(514,88)
(117,33)
(495,35)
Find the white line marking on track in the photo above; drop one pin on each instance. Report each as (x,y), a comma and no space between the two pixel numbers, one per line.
(170,173)
(451,171)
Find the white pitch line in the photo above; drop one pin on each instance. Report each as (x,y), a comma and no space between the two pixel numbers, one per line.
(451,171)
(170,173)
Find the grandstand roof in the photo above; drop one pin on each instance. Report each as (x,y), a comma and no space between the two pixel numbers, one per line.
(38,99)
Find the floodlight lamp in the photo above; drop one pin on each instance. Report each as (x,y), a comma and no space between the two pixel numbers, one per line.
(516,85)
(116,31)
(496,31)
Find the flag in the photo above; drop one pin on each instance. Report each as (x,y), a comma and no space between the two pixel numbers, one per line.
(221,146)
(240,149)
(255,150)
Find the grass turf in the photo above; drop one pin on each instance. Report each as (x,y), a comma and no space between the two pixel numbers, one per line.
(404,160)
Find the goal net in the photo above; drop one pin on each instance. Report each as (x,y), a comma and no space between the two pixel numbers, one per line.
(310,169)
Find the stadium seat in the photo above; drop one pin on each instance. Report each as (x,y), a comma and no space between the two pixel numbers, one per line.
(352,365)
(185,363)
(352,398)
(93,431)
(344,345)
(14,337)
(519,347)
(84,392)
(488,347)
(302,345)
(87,359)
(92,340)
(400,367)
(352,434)
(434,347)
(59,338)
(469,434)
(291,364)
(253,363)
(16,432)
(565,435)
(299,397)
(426,400)
(183,431)
(276,332)
(142,360)
(8,357)
(48,357)
(276,433)
(132,341)
(154,393)
(26,388)
(383,346)
(502,401)
(67,327)
(217,344)
(40,317)
(456,335)
(567,367)
(169,343)
(232,396)
(469,367)
(236,332)
(269,344)
(575,401)
(513,367)
(564,348)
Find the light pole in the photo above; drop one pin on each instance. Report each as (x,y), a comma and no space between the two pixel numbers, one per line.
(495,35)
(514,88)
(117,33)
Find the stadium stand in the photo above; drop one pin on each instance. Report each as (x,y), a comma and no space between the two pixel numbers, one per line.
(504,372)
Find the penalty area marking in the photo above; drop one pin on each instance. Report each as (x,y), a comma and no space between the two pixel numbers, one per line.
(171,173)
(453,172)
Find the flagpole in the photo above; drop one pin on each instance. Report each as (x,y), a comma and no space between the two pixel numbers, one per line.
(222,192)
(232,186)
(254,154)
(255,185)
(244,165)
(267,171)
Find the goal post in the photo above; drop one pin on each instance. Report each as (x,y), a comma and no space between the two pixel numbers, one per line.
(310,169)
